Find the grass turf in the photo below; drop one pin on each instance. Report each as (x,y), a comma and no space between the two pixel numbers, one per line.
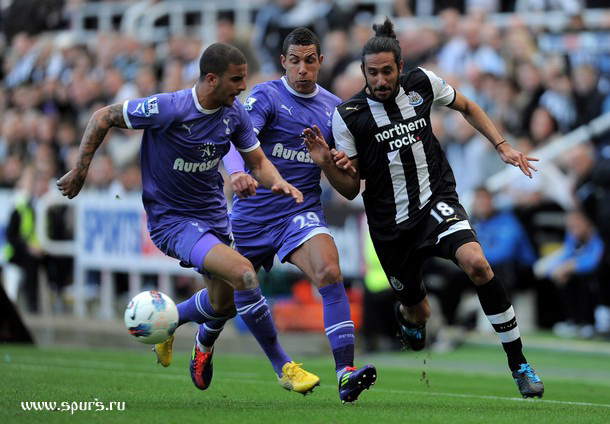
(469,385)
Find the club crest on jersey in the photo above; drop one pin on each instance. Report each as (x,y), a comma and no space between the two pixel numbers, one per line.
(249,103)
(207,150)
(396,284)
(414,98)
(226,122)
(329,114)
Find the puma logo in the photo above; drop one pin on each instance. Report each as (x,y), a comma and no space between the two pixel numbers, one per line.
(453,218)
(289,109)
(351,108)
(187,127)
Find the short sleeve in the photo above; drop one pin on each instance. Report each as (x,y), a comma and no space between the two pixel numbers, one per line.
(344,140)
(156,111)
(444,94)
(258,107)
(243,137)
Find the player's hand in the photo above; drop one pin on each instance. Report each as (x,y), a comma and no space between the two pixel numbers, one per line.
(342,162)
(243,185)
(72,183)
(316,145)
(515,158)
(283,187)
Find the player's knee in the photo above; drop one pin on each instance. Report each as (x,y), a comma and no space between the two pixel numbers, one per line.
(478,269)
(248,279)
(327,274)
(244,277)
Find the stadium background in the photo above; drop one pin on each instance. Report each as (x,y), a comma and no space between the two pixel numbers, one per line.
(540,69)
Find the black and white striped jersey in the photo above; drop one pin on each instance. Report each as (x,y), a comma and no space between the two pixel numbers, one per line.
(398,156)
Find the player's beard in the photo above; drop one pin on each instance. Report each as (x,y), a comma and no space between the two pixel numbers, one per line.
(393,94)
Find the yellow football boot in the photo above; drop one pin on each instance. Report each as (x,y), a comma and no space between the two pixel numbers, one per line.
(164,351)
(297,379)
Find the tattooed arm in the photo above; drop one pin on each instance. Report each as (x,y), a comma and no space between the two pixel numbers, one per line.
(99,124)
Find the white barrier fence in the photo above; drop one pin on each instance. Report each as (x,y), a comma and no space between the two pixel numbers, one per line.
(110,236)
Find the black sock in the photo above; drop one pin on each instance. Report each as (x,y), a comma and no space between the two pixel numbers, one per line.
(496,305)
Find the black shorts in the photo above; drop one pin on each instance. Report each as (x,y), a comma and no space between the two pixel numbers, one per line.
(403,252)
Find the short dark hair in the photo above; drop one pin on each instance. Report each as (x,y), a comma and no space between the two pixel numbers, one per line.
(384,40)
(301,37)
(217,58)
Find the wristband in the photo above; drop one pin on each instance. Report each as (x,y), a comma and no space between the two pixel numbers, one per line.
(496,146)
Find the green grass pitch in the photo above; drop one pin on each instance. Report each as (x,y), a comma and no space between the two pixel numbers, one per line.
(469,385)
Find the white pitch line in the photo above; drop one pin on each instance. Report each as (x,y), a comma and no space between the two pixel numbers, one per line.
(463,395)
(259,381)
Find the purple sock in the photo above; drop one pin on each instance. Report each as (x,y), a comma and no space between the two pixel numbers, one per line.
(209,331)
(197,309)
(338,324)
(253,309)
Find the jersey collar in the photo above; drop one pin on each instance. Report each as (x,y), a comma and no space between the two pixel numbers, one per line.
(296,93)
(198,105)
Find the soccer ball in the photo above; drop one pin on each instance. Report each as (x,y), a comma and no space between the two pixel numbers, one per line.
(151,317)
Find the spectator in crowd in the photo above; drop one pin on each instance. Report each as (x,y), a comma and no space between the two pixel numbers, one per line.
(542,127)
(592,192)
(572,271)
(379,323)
(504,240)
(23,248)
(461,54)
(226,33)
(465,152)
(274,22)
(588,99)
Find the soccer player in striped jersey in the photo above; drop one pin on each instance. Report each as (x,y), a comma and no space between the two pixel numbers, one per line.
(186,133)
(410,200)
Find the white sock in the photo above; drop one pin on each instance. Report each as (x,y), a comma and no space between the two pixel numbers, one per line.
(340,373)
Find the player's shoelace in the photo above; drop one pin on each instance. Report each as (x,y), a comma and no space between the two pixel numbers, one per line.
(294,371)
(200,360)
(529,372)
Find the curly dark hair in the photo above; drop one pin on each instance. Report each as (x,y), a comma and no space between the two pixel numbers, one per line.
(384,40)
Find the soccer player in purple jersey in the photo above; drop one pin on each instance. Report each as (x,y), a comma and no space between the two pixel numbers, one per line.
(410,200)
(266,225)
(186,133)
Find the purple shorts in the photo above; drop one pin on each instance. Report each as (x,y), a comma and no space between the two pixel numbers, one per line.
(260,242)
(189,239)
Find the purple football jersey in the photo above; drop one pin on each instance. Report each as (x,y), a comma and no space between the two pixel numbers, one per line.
(181,147)
(279,115)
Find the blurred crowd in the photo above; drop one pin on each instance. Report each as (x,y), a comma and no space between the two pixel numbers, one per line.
(533,231)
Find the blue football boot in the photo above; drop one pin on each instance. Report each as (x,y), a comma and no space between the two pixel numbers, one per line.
(411,336)
(354,380)
(528,382)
